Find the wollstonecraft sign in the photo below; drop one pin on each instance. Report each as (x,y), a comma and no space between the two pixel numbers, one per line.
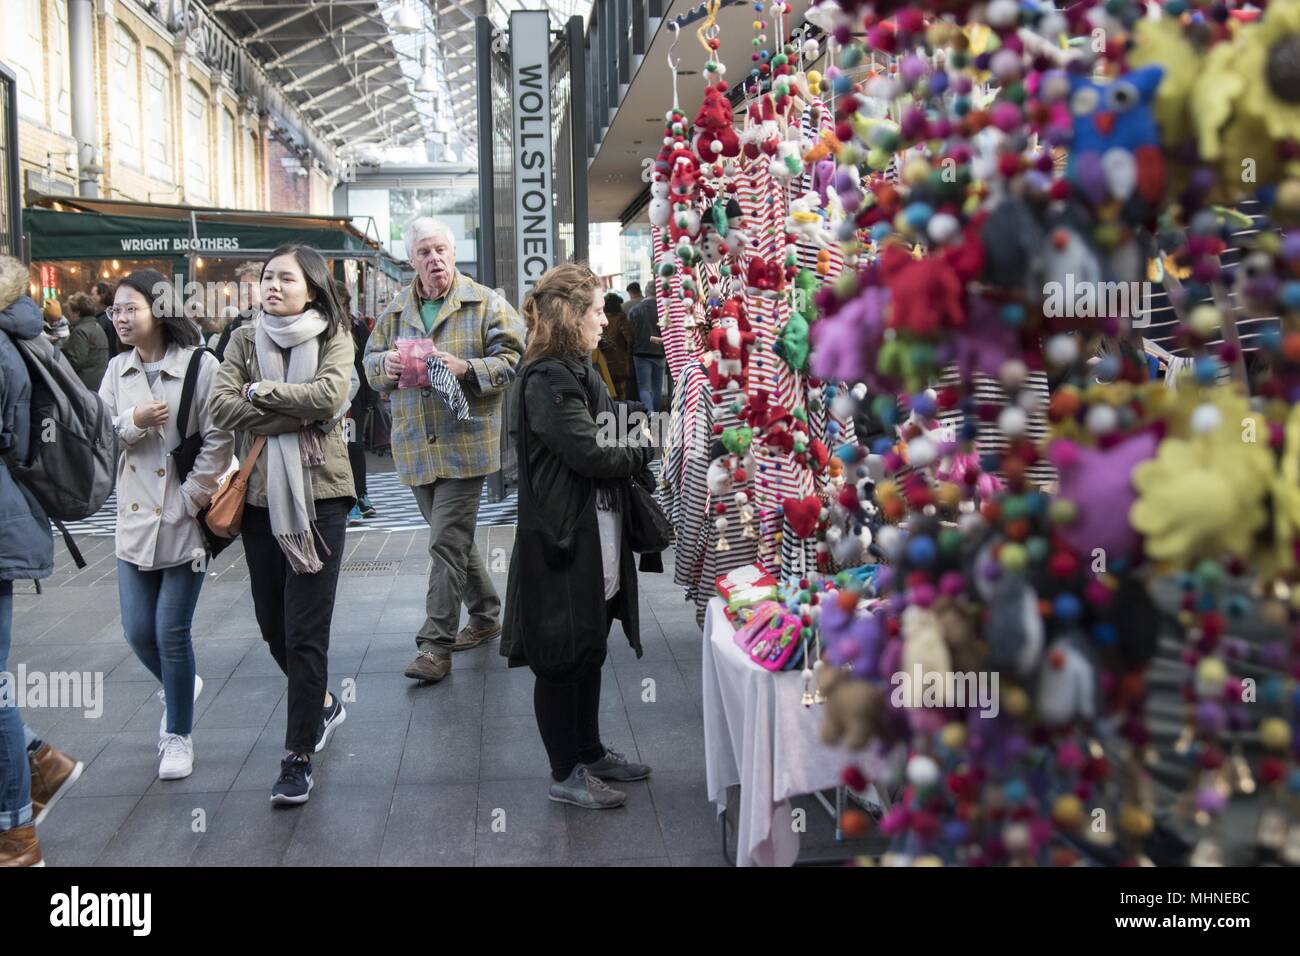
(530,65)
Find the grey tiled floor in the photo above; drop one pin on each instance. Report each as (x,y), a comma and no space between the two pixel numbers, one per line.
(453,773)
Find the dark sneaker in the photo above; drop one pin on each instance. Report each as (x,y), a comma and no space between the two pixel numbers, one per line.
(367,509)
(472,637)
(52,774)
(18,847)
(331,717)
(582,789)
(615,766)
(428,667)
(294,784)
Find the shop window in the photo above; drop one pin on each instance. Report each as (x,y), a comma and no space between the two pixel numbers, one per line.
(23,52)
(158,138)
(198,162)
(226,158)
(124,104)
(60,69)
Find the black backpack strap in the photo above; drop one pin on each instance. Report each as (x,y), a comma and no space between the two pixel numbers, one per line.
(73,550)
(187,390)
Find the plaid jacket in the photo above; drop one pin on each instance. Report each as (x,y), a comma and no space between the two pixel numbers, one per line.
(474,324)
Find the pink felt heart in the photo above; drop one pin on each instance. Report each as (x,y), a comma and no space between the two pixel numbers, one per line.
(803,514)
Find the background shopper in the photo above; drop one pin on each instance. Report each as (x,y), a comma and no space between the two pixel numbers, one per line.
(648,352)
(102,293)
(616,344)
(286,376)
(249,277)
(574,488)
(87,347)
(160,549)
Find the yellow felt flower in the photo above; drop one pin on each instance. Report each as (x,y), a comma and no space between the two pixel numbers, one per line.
(1286,495)
(1205,495)
(1162,43)
(1269,61)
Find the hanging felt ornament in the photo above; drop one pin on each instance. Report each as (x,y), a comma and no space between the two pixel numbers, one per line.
(1067,684)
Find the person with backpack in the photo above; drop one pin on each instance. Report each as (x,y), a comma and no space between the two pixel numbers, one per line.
(33,775)
(283,388)
(161,551)
(572,571)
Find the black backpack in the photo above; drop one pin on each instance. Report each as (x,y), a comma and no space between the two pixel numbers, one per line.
(71,463)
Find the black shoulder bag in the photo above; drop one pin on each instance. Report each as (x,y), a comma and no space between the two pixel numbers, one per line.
(187,452)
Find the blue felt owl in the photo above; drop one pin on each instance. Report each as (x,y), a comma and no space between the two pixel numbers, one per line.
(1116,152)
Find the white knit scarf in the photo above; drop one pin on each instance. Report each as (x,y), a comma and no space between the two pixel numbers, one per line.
(290,456)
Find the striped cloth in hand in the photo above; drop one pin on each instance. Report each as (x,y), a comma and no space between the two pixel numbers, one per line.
(444,383)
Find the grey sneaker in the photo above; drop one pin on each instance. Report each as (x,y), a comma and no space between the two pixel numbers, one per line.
(428,667)
(615,766)
(582,789)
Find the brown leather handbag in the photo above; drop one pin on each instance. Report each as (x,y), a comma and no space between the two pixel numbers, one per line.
(225,512)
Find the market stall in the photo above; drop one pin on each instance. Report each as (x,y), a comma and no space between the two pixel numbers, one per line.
(1040,559)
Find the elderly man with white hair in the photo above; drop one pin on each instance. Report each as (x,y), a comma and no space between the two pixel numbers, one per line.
(442,453)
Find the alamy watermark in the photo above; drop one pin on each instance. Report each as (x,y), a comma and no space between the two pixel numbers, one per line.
(80,690)
(1086,299)
(946,689)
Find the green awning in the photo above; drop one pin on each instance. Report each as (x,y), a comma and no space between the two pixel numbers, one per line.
(81,235)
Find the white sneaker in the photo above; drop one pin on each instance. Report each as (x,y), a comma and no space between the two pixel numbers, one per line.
(162,699)
(177,757)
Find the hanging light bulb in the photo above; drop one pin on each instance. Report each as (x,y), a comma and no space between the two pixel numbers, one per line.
(428,81)
(406,20)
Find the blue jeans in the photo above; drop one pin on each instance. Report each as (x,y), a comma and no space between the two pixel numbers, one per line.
(649,380)
(157,608)
(15,775)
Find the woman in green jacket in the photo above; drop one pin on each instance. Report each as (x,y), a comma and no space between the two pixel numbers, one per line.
(285,378)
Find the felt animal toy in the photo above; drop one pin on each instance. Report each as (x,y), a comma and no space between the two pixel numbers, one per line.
(719,479)
(924,649)
(715,129)
(1099,482)
(844,343)
(765,277)
(851,640)
(959,635)
(755,412)
(777,431)
(1014,628)
(787,163)
(792,344)
(762,133)
(856,711)
(806,223)
(1067,684)
(730,341)
(1116,152)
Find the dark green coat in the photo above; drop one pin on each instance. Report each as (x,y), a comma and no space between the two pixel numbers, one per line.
(87,351)
(555,596)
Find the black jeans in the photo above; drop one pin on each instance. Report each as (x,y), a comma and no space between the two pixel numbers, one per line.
(568,712)
(294,611)
(357,459)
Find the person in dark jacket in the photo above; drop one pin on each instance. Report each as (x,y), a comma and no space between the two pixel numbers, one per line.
(648,352)
(249,276)
(32,773)
(102,293)
(572,572)
(86,348)
(616,345)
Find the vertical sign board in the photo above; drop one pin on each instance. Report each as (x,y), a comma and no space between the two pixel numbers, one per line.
(530,66)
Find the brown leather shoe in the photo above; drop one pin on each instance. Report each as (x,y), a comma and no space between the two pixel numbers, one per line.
(472,637)
(428,667)
(18,847)
(52,773)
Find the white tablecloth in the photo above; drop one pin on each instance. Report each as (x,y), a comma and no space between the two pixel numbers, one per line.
(758,734)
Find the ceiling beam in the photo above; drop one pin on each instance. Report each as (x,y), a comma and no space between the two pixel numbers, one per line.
(311,45)
(335,90)
(275,25)
(299,82)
